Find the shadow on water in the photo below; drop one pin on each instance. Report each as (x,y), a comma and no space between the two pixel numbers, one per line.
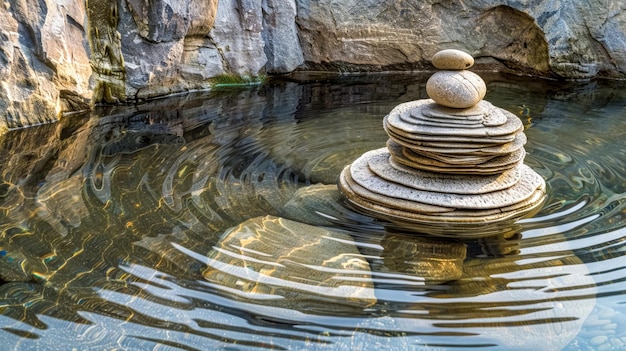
(213,221)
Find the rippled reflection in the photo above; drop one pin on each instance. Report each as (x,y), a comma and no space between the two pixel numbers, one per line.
(214,222)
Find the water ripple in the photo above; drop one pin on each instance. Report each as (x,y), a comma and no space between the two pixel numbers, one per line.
(217,223)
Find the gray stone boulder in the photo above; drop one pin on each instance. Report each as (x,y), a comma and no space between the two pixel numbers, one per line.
(164,48)
(237,37)
(280,34)
(171,46)
(44,61)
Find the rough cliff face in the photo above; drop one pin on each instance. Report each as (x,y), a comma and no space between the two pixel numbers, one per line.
(62,55)
(44,61)
(567,39)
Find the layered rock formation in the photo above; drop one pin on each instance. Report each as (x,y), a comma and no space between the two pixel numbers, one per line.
(141,49)
(570,39)
(172,46)
(453,165)
(44,61)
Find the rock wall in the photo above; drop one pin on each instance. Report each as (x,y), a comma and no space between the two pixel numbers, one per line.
(144,49)
(562,38)
(63,55)
(44,61)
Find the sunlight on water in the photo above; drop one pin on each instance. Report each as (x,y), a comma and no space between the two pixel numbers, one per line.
(214,222)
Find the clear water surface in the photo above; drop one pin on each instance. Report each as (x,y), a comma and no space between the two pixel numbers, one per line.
(211,221)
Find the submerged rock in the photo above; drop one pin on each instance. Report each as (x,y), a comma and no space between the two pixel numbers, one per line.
(316,204)
(535,318)
(290,264)
(435,261)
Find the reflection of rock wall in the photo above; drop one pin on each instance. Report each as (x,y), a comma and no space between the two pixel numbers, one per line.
(58,181)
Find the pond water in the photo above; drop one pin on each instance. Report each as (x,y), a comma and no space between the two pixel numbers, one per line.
(212,221)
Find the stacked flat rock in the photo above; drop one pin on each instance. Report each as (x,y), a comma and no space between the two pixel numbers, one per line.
(453,159)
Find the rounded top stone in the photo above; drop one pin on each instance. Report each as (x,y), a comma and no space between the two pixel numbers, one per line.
(456,89)
(452,59)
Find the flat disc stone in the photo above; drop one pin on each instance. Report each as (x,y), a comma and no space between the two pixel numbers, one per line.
(450,169)
(440,124)
(458,223)
(387,206)
(462,122)
(522,190)
(498,213)
(461,148)
(490,116)
(465,218)
(354,191)
(396,162)
(495,162)
(434,110)
(469,148)
(475,147)
(481,138)
(512,124)
(436,159)
(351,190)
(490,149)
(378,162)
(435,163)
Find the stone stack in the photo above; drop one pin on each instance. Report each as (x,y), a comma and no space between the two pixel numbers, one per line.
(453,163)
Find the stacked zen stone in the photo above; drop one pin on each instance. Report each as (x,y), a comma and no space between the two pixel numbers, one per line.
(454,159)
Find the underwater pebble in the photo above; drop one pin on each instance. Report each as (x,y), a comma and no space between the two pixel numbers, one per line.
(599,340)
(604,347)
(619,318)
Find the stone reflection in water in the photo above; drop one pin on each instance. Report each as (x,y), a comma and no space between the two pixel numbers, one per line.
(541,310)
(434,260)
